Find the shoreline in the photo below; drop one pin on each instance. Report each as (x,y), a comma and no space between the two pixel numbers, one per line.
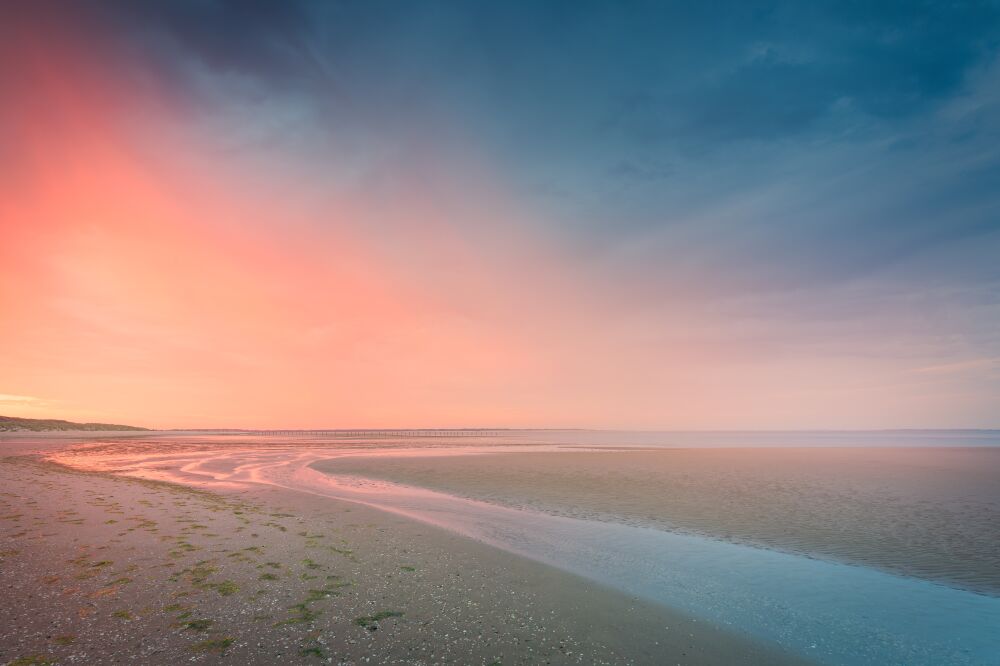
(779,499)
(837,613)
(463,601)
(821,610)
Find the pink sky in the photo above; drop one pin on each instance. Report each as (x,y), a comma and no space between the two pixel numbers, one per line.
(148,276)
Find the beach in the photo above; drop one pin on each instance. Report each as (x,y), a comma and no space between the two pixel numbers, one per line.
(927,512)
(505,547)
(102,567)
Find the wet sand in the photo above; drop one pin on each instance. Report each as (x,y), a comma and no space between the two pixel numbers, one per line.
(931,513)
(99,568)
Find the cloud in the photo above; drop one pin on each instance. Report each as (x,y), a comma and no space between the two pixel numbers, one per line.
(784,184)
(7,397)
(973,365)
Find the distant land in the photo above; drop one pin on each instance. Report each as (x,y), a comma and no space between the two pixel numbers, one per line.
(15,424)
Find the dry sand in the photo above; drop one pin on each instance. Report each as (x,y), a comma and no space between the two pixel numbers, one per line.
(932,513)
(100,569)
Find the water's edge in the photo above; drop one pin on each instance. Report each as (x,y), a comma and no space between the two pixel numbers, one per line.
(827,611)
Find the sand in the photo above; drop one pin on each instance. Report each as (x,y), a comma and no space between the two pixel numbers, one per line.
(932,513)
(98,568)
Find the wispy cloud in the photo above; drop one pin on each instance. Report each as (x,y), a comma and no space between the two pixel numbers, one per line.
(957,367)
(19,399)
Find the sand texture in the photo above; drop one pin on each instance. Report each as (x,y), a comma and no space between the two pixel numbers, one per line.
(102,569)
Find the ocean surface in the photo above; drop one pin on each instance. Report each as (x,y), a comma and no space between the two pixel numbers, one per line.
(703,439)
(848,548)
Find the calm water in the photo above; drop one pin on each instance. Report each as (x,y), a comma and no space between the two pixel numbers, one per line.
(781,438)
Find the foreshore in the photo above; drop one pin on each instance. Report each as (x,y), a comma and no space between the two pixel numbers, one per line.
(922,512)
(98,568)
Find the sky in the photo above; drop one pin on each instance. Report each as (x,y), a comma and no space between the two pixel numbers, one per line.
(648,215)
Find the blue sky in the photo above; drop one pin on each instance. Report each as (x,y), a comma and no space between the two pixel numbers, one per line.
(852,137)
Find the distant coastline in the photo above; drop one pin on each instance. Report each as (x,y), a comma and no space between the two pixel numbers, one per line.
(16,424)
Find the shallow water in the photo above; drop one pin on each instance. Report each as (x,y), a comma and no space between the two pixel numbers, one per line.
(704,439)
(829,611)
(931,513)
(832,613)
